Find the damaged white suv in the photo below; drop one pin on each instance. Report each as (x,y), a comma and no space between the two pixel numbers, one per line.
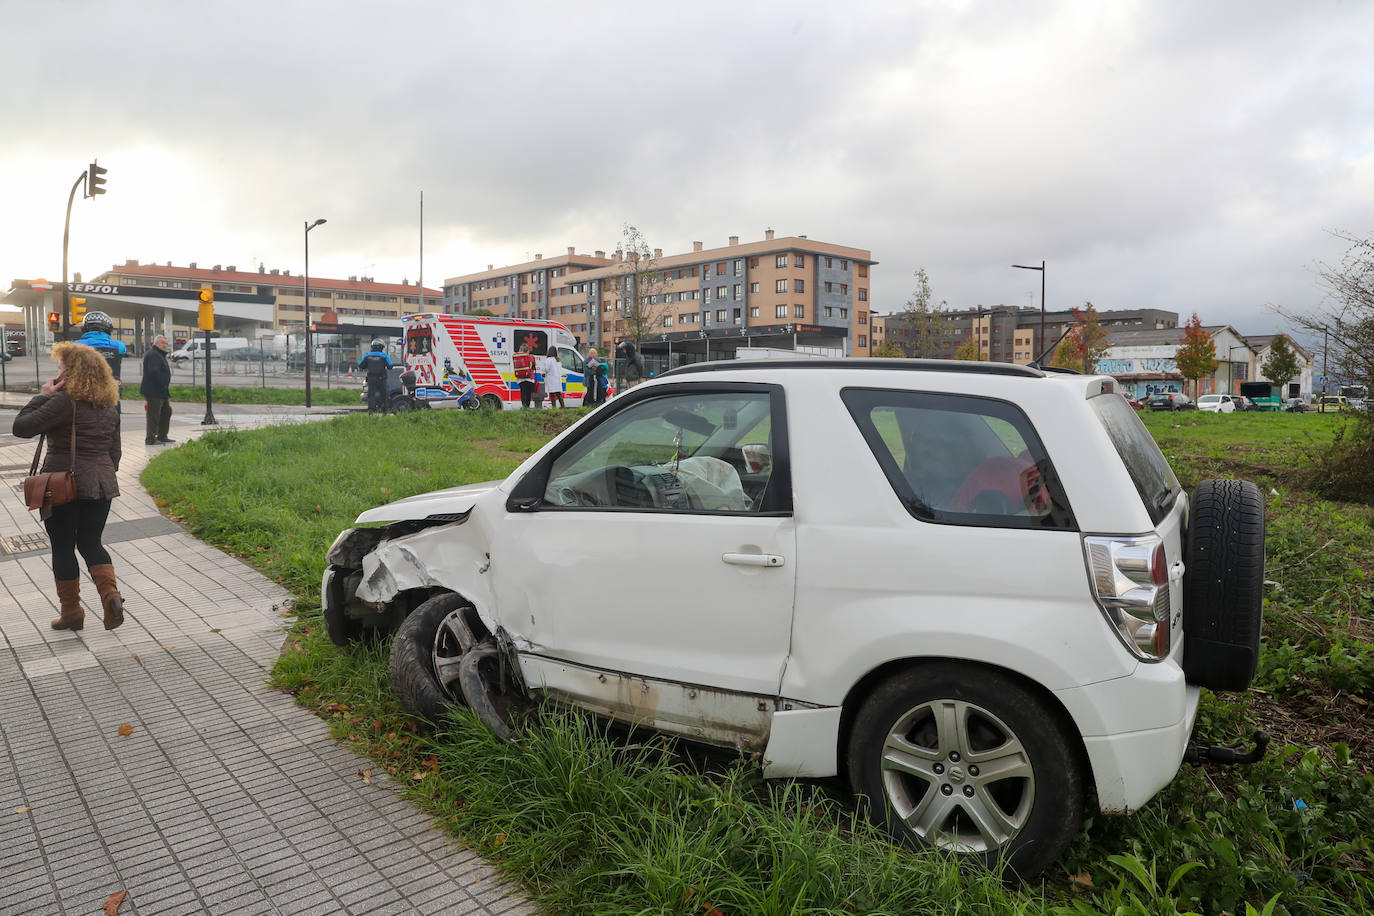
(975,589)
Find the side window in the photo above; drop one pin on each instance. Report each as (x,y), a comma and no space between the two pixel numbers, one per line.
(961,460)
(570,360)
(680,452)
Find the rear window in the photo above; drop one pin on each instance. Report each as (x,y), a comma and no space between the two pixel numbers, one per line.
(1154,479)
(961,460)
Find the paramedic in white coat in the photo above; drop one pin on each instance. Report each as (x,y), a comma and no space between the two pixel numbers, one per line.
(553,378)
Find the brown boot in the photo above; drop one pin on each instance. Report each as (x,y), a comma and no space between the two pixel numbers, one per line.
(110,600)
(69,594)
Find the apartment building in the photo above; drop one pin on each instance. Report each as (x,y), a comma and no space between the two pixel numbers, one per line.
(791,292)
(1010,334)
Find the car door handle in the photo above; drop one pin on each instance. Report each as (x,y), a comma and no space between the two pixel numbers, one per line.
(752,559)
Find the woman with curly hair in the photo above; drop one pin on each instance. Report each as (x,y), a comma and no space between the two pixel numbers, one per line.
(85,393)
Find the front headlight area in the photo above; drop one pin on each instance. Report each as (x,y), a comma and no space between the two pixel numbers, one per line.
(1130,583)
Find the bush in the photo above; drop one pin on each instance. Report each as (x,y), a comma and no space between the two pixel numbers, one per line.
(1345,471)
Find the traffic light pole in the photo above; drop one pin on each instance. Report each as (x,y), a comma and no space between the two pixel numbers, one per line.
(66,232)
(209,414)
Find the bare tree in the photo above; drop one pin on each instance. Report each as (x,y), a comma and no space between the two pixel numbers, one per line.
(1346,322)
(641,286)
(924,324)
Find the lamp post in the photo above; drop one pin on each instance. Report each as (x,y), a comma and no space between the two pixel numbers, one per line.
(1041,268)
(308,227)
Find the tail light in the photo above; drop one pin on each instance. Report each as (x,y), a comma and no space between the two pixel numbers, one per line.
(1130,582)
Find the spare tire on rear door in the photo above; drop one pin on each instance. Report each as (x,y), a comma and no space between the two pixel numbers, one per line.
(1223,585)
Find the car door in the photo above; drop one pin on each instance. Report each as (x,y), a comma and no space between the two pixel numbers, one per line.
(647,545)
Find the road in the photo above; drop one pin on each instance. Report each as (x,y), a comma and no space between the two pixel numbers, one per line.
(25,373)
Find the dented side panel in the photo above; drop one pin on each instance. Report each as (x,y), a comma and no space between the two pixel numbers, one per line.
(719,717)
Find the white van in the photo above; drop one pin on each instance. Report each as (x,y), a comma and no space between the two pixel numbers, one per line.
(195,349)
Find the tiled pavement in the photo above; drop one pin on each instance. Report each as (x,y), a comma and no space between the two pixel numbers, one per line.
(225,797)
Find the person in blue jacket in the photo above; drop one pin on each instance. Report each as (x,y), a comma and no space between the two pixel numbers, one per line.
(95,333)
(375,364)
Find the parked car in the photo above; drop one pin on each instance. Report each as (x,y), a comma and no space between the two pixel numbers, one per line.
(971,712)
(249,354)
(1136,403)
(1220,403)
(1171,400)
(1247,404)
(1296,405)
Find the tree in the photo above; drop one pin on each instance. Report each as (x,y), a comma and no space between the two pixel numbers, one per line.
(1084,345)
(968,350)
(1346,325)
(1282,364)
(641,286)
(924,324)
(1197,356)
(889,350)
(486,312)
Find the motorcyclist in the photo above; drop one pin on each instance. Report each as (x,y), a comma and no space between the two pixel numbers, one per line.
(95,332)
(376,363)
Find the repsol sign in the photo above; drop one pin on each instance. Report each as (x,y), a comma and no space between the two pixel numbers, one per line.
(103,289)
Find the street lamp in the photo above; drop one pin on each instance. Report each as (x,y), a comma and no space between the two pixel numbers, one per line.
(308,227)
(1041,268)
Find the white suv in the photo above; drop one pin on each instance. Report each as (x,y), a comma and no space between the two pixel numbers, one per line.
(975,589)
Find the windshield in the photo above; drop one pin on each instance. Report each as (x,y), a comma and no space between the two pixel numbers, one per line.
(1153,478)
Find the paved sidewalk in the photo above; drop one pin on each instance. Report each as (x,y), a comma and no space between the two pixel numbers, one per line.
(224,797)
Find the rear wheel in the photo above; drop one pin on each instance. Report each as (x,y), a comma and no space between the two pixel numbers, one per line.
(492,401)
(426,653)
(968,760)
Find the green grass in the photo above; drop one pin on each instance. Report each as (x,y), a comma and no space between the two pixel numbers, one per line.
(596,823)
(338,396)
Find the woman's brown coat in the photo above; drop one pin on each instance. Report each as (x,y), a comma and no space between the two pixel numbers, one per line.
(97,441)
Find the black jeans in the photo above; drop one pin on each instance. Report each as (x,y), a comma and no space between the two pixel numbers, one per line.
(77,526)
(526,392)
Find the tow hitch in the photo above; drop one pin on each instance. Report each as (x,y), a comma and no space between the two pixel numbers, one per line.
(1234,753)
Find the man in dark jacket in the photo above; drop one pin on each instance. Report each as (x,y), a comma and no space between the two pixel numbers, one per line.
(157,380)
(375,364)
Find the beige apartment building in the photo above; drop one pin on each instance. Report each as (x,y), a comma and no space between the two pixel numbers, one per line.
(790,293)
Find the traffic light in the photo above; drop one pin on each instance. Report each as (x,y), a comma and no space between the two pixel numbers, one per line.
(78,310)
(54,321)
(95,180)
(206,313)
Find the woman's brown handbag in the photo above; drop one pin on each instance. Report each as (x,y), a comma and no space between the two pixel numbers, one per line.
(55,488)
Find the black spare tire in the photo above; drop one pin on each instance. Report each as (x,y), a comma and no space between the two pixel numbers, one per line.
(1223,585)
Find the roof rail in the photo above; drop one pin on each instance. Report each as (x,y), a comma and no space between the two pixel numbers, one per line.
(911,365)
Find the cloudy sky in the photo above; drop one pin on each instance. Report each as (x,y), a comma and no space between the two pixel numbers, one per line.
(1178,155)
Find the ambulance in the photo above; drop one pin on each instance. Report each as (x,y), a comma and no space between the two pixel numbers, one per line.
(452,354)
